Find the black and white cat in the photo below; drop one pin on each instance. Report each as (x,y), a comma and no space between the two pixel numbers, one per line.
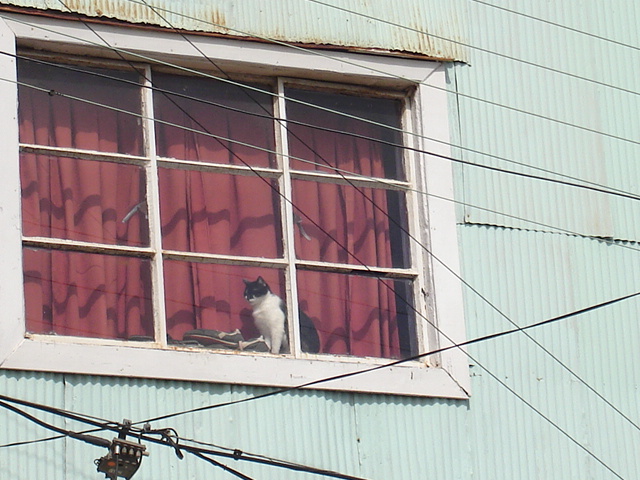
(270,316)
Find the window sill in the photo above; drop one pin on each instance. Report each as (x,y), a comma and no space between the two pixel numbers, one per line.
(83,356)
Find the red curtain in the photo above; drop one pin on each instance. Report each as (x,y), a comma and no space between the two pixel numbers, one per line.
(356,315)
(71,293)
(219,213)
(108,296)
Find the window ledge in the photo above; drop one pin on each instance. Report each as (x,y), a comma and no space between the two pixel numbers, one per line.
(51,355)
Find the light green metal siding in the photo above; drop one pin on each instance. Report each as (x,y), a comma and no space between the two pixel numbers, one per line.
(529,275)
(562,101)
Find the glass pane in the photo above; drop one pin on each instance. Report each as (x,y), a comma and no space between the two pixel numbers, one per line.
(206,306)
(218,213)
(360,316)
(347,143)
(244,117)
(87,295)
(342,224)
(47,118)
(90,201)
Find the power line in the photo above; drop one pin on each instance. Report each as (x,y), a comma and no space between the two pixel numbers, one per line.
(473,289)
(555,24)
(605,190)
(474,47)
(168,438)
(71,415)
(459,94)
(488,372)
(394,363)
(489,303)
(433,352)
(417,241)
(480,295)
(300,159)
(608,190)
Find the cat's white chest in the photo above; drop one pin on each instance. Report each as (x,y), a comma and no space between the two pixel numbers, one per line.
(270,320)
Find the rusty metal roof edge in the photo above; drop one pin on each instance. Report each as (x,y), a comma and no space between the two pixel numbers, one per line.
(146,26)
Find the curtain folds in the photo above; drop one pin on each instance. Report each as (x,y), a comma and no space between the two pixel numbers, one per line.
(202,212)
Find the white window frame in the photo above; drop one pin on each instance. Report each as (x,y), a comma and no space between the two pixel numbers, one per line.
(444,375)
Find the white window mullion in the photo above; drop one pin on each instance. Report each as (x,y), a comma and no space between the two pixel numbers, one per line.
(287,220)
(153,212)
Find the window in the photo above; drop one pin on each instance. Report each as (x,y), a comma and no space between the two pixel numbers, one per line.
(150,195)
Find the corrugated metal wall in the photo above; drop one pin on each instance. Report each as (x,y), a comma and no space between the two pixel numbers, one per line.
(505,108)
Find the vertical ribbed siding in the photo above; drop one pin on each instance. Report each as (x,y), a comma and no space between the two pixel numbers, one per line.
(531,277)
(28,461)
(538,140)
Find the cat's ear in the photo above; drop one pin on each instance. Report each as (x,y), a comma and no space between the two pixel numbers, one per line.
(246,282)
(261,280)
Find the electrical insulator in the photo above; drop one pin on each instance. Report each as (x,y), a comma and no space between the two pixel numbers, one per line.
(123,459)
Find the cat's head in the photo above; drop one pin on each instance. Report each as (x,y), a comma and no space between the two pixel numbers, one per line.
(256,289)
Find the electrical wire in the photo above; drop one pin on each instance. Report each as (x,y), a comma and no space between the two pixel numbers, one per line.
(262,91)
(221,465)
(555,229)
(554,358)
(476,48)
(555,24)
(459,94)
(433,352)
(169,440)
(473,289)
(460,346)
(93,440)
(586,184)
(417,241)
(493,306)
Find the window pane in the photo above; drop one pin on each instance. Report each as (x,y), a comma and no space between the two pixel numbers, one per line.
(217,108)
(344,224)
(50,119)
(90,201)
(360,316)
(207,297)
(326,141)
(218,213)
(87,295)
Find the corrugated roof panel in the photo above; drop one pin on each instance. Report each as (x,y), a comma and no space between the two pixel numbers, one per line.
(374,25)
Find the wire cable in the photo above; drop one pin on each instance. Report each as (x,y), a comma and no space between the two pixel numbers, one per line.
(555,24)
(460,345)
(321,54)
(473,289)
(221,465)
(479,49)
(433,352)
(556,229)
(146,434)
(549,353)
(608,190)
(494,307)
